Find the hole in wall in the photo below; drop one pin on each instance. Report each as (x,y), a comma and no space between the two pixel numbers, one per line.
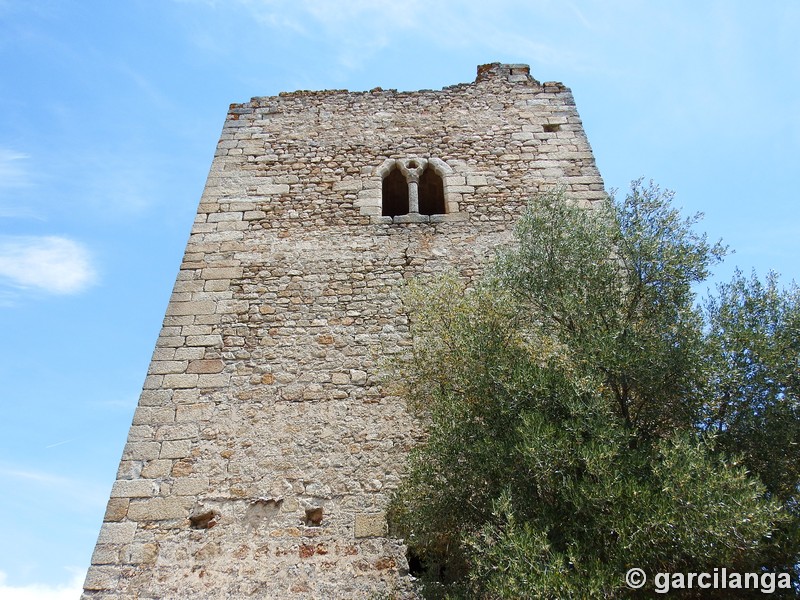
(415,565)
(204,520)
(552,127)
(314,516)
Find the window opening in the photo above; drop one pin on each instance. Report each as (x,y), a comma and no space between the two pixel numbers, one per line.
(431,193)
(395,194)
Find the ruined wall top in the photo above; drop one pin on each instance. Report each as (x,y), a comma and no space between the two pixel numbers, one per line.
(490,72)
(506,131)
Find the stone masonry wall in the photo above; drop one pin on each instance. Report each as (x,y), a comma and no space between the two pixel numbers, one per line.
(264,448)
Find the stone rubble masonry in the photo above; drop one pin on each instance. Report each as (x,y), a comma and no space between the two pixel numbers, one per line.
(265,448)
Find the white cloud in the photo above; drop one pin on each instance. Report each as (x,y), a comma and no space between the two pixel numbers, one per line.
(38,591)
(52,264)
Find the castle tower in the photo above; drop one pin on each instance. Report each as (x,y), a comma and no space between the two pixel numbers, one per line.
(264,448)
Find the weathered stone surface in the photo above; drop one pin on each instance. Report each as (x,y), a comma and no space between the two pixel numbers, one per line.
(134,488)
(206,366)
(265,449)
(190,486)
(157,509)
(101,578)
(117,509)
(370,525)
(175,449)
(141,554)
(116,533)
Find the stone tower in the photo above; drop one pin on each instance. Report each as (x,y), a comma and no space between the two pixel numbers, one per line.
(264,449)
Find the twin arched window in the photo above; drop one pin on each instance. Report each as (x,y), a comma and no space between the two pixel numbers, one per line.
(412,186)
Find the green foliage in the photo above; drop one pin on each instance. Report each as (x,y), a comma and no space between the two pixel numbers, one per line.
(754,391)
(585,417)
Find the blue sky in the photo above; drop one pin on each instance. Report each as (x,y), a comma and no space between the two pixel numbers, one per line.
(110,113)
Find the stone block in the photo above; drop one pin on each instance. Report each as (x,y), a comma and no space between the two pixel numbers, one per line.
(373,194)
(202,307)
(224,216)
(141,433)
(217,285)
(211,381)
(340,378)
(190,353)
(205,366)
(453,217)
(152,398)
(178,431)
(157,509)
(117,533)
(242,205)
(411,218)
(156,469)
(476,180)
(454,180)
(116,509)
(175,449)
(353,185)
(194,412)
(222,273)
(273,189)
(190,486)
(186,380)
(370,525)
(185,396)
(358,377)
(102,578)
(134,488)
(141,554)
(196,329)
(163,354)
(153,415)
(162,367)
(209,341)
(141,450)
(105,555)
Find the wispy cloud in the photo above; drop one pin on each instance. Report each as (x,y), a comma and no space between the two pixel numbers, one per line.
(52,264)
(57,444)
(37,476)
(13,169)
(84,493)
(359,30)
(38,591)
(15,175)
(148,89)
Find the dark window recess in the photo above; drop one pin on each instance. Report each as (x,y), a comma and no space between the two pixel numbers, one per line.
(431,193)
(395,194)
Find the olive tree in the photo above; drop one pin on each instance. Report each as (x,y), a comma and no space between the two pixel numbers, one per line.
(584,416)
